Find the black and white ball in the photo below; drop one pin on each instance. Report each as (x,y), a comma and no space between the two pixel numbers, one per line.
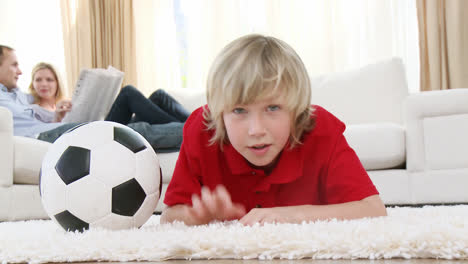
(100,174)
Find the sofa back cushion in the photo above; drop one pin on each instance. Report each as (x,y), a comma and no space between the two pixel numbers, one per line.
(370,94)
(373,93)
(190,98)
(379,146)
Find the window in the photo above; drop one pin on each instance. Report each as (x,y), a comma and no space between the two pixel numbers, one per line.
(330,36)
(35,33)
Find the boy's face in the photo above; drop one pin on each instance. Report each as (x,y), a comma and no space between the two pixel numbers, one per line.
(259,131)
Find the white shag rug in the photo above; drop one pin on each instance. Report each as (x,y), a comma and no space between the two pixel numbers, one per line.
(428,232)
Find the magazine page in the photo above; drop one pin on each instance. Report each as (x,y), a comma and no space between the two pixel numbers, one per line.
(95,91)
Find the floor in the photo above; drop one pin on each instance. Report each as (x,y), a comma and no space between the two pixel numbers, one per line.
(303,261)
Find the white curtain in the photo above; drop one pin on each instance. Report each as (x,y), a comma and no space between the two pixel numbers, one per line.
(157,55)
(329,35)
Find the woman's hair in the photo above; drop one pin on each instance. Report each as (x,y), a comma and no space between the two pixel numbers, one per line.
(42,66)
(252,68)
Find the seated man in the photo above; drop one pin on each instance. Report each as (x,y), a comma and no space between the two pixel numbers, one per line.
(163,137)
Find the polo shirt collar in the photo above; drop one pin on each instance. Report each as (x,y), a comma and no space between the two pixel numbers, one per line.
(288,168)
(4,89)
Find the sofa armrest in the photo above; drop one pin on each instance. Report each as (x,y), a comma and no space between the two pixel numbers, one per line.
(437,130)
(6,150)
(28,156)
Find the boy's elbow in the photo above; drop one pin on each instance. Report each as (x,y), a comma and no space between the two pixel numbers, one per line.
(173,213)
(376,206)
(167,215)
(164,218)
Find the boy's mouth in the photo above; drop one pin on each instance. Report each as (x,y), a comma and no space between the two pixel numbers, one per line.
(260,150)
(259,147)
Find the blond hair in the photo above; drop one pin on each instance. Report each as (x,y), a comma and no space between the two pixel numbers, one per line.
(42,66)
(252,68)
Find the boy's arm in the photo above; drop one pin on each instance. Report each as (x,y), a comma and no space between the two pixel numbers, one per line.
(371,206)
(176,213)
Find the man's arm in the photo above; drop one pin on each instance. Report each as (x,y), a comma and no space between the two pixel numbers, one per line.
(371,206)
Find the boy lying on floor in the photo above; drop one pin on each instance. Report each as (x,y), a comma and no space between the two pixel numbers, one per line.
(259,152)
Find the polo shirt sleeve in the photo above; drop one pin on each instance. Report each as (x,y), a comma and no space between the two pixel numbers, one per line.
(30,98)
(346,179)
(186,177)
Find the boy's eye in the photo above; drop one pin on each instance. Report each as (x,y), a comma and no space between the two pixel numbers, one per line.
(273,108)
(238,110)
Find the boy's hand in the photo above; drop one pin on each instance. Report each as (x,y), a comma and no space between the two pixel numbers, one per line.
(216,205)
(61,109)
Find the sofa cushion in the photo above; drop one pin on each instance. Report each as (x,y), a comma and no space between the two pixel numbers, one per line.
(167,161)
(373,93)
(378,146)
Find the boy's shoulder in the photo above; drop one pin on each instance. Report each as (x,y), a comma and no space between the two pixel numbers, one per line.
(196,119)
(325,122)
(195,127)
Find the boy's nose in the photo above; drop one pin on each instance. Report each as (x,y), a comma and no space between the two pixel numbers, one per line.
(256,126)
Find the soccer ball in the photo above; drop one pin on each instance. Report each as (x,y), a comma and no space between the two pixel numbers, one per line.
(100,174)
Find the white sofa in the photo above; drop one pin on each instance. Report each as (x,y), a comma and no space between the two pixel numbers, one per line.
(414,147)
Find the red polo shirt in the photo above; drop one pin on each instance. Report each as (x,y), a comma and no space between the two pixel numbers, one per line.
(322,170)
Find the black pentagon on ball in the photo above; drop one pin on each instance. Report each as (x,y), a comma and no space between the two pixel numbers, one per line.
(70,222)
(127,198)
(73,164)
(129,139)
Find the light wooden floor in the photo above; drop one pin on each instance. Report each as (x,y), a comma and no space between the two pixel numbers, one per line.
(302,261)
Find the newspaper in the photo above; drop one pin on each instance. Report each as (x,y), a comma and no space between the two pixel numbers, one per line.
(94,94)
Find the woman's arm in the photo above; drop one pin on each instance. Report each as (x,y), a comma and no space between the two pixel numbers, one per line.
(62,108)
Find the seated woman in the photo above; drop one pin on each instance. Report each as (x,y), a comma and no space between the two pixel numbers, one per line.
(129,106)
(46,91)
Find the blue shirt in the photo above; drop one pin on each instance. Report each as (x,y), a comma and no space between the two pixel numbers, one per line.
(26,121)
